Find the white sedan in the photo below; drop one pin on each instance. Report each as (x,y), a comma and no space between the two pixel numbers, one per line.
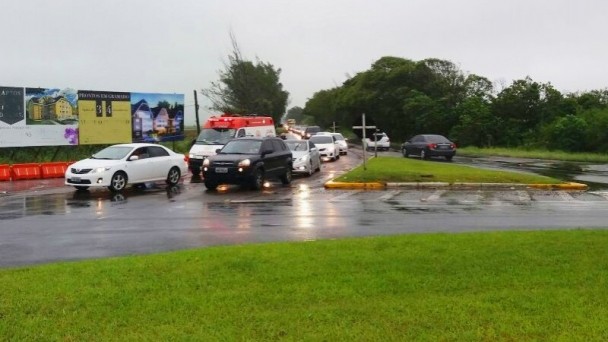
(306,157)
(118,165)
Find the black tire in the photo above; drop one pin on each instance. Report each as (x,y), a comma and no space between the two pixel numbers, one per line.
(318,169)
(310,169)
(118,182)
(173,176)
(423,154)
(81,188)
(257,182)
(337,156)
(405,153)
(211,185)
(286,177)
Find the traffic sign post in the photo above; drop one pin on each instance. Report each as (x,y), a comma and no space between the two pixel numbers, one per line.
(364,127)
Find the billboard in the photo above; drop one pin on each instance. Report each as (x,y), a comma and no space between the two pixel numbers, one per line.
(55,117)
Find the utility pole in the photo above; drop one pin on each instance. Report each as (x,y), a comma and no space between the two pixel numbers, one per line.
(198,125)
(364,127)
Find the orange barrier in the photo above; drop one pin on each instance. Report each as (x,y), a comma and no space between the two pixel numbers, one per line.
(53,170)
(26,171)
(5,172)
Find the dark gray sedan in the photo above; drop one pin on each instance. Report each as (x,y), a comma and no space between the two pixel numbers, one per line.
(429,145)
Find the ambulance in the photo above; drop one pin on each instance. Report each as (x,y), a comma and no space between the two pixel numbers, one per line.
(219,129)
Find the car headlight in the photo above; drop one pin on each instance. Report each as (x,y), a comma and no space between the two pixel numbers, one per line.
(100,169)
(244,163)
(206,162)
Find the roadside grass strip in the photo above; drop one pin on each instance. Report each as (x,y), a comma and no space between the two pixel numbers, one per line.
(384,172)
(494,286)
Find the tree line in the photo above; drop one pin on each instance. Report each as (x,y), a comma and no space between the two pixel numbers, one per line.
(405,97)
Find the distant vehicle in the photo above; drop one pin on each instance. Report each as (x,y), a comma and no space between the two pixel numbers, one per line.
(309,131)
(379,141)
(306,157)
(218,130)
(342,143)
(429,145)
(291,123)
(249,161)
(327,145)
(118,165)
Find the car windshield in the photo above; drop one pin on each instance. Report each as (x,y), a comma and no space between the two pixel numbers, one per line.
(322,139)
(338,136)
(242,147)
(215,136)
(297,145)
(113,152)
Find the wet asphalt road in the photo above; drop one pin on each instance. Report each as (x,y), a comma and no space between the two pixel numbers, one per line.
(49,222)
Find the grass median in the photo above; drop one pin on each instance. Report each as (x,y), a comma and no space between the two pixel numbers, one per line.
(398,169)
(510,286)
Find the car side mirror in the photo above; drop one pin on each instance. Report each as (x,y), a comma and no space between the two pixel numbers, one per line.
(218,150)
(134,157)
(267,151)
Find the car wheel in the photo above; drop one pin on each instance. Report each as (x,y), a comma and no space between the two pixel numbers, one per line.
(311,170)
(423,155)
(81,188)
(210,185)
(337,156)
(258,180)
(286,178)
(405,153)
(118,181)
(173,176)
(318,169)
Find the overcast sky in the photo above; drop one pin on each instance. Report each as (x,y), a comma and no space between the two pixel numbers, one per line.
(179,46)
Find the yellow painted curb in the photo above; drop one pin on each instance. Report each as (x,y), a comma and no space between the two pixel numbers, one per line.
(346,185)
(564,186)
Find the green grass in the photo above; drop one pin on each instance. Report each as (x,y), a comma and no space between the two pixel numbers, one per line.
(498,286)
(535,154)
(398,169)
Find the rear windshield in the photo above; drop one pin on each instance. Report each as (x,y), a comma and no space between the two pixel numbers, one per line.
(322,139)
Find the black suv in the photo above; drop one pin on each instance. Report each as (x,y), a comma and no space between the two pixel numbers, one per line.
(248,161)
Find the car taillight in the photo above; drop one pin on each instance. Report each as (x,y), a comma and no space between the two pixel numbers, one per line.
(453,146)
(432,146)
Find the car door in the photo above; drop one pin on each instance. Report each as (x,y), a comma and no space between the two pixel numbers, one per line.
(139,169)
(314,155)
(159,162)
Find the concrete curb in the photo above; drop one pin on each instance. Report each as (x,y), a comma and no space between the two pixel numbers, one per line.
(453,186)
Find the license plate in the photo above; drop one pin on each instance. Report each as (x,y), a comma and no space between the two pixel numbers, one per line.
(221,170)
(75,179)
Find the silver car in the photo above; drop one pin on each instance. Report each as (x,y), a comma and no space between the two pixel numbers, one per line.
(306,158)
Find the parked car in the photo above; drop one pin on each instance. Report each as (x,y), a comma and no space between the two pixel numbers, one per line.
(429,145)
(327,145)
(306,157)
(118,165)
(379,141)
(249,161)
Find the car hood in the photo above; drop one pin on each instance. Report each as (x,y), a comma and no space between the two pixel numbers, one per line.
(93,163)
(325,145)
(298,154)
